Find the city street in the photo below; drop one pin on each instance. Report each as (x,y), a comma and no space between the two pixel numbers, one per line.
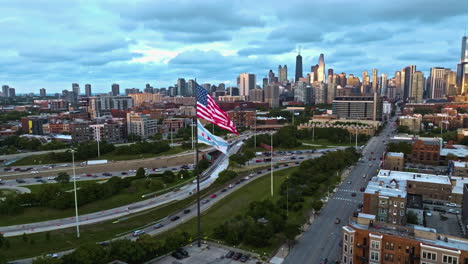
(322,238)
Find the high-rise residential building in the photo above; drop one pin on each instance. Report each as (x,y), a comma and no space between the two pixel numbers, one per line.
(141,125)
(102,105)
(464,49)
(375,82)
(191,87)
(366,107)
(314,73)
(353,81)
(256,95)
(450,82)
(383,84)
(148,89)
(303,93)
(272,95)
(398,91)
(264,82)
(298,67)
(271,77)
(5,90)
(417,87)
(131,91)
(282,74)
(11,92)
(181,87)
(330,72)
(246,83)
(320,93)
(88,91)
(42,92)
(407,80)
(332,84)
(342,79)
(365,82)
(115,89)
(437,83)
(76,89)
(321,69)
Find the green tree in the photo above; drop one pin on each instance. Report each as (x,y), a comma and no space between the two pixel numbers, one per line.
(47,260)
(465,141)
(411,218)
(183,174)
(25,237)
(290,232)
(2,240)
(63,177)
(140,173)
(2,259)
(47,236)
(168,176)
(225,176)
(317,205)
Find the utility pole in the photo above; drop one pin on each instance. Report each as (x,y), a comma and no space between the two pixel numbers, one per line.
(271,164)
(76,199)
(356,135)
(191,126)
(313,132)
(255,130)
(98,149)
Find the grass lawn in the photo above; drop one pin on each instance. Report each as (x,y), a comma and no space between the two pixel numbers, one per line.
(5,192)
(44,158)
(237,203)
(64,239)
(36,214)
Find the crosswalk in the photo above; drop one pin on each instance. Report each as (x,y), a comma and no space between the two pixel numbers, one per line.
(345,199)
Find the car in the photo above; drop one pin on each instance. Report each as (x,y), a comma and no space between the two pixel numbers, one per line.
(107,174)
(427,202)
(244,258)
(7,169)
(175,218)
(428,213)
(17,169)
(438,203)
(293,158)
(157,226)
(349,182)
(177,255)
(301,157)
(183,252)
(89,175)
(360,205)
(230,254)
(124,173)
(373,158)
(186,211)
(259,172)
(52,255)
(276,167)
(236,256)
(205,201)
(213,196)
(137,233)
(362,189)
(20,181)
(353,194)
(38,177)
(259,160)
(452,204)
(230,186)
(224,190)
(453,211)
(337,220)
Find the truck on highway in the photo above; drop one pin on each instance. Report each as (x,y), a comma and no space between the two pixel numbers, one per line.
(95,162)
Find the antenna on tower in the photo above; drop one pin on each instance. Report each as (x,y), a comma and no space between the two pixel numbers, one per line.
(299,49)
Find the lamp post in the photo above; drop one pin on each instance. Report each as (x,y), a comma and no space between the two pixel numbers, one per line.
(76,199)
(271,164)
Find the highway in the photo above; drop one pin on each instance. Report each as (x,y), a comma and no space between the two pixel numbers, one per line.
(321,240)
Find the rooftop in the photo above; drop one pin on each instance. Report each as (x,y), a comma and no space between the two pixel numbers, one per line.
(458,184)
(460,151)
(395,154)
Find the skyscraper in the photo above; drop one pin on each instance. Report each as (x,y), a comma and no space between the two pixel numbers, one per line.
(88,91)
(314,73)
(383,84)
(365,82)
(76,89)
(464,50)
(450,82)
(191,86)
(11,92)
(271,77)
(407,80)
(343,79)
(298,66)
(321,69)
(272,95)
(115,89)
(42,92)
(5,90)
(437,83)
(398,91)
(282,74)
(374,81)
(462,68)
(417,87)
(246,83)
(264,82)
(181,87)
(331,90)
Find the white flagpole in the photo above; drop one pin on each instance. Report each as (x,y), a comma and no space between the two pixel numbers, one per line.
(76,199)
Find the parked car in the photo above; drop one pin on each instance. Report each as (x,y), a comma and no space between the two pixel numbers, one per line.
(236,256)
(353,194)
(183,252)
(362,189)
(428,202)
(452,204)
(428,213)
(177,255)
(337,220)
(244,258)
(138,233)
(453,211)
(230,254)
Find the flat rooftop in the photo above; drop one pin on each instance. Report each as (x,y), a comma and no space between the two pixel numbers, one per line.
(460,151)
(396,154)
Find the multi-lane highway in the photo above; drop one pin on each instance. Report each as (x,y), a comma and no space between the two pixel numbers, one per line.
(322,240)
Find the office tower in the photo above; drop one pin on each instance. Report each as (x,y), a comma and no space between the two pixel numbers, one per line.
(272,95)
(464,50)
(271,77)
(330,72)
(282,74)
(365,88)
(256,95)
(437,83)
(407,80)
(303,93)
(398,90)
(76,89)
(332,83)
(88,91)
(374,80)
(191,87)
(450,82)
(366,107)
(115,89)
(342,79)
(264,82)
(42,92)
(320,93)
(462,68)
(246,83)
(314,73)
(383,84)
(321,69)
(5,90)
(11,92)
(181,87)
(132,91)
(298,66)
(353,81)
(222,86)
(417,87)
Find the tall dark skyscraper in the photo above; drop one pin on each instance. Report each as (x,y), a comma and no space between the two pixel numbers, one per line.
(298,67)
(88,90)
(115,89)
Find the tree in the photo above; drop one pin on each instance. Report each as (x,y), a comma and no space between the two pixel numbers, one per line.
(411,218)
(2,259)
(47,260)
(141,173)
(168,176)
(63,177)
(183,174)
(317,205)
(291,231)
(2,240)
(25,237)
(225,176)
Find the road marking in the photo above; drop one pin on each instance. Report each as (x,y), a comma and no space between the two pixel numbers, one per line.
(345,199)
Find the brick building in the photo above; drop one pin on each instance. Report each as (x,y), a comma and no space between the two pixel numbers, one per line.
(394,161)
(365,242)
(242,118)
(426,151)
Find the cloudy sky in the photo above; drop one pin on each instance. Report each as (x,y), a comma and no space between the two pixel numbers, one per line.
(52,43)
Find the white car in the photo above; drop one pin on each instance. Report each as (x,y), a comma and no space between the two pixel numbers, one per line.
(428,213)
(54,255)
(452,204)
(453,211)
(76,178)
(50,178)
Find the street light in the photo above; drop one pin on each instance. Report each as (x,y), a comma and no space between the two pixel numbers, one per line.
(76,200)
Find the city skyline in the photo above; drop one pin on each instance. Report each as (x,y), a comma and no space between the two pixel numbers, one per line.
(137,44)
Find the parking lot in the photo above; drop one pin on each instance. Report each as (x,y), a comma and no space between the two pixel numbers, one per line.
(207,254)
(443,222)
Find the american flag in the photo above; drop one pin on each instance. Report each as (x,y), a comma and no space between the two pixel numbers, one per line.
(209,110)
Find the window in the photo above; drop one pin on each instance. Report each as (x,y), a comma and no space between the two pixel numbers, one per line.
(388,246)
(389,257)
(429,255)
(401,213)
(345,259)
(345,248)
(346,237)
(395,204)
(375,244)
(402,205)
(351,239)
(449,259)
(350,249)
(384,202)
(382,211)
(374,255)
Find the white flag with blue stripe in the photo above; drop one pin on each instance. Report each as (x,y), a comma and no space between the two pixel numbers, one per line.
(204,136)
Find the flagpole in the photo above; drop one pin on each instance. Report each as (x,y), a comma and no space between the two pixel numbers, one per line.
(197,172)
